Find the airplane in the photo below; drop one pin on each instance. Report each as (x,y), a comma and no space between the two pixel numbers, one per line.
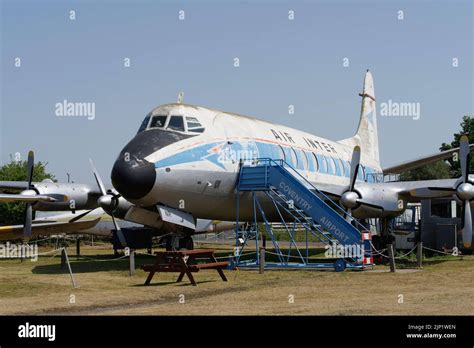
(183,164)
(187,158)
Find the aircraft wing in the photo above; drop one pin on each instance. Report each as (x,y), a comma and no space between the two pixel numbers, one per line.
(385,195)
(25,198)
(40,229)
(415,191)
(13,185)
(419,162)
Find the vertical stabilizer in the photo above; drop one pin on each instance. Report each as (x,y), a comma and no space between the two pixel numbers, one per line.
(367,135)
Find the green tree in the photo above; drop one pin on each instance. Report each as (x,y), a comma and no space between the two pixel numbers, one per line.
(444,169)
(436,170)
(467,125)
(12,212)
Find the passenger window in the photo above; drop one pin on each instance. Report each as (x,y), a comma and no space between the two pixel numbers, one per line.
(281,153)
(331,165)
(158,121)
(348,168)
(316,162)
(305,160)
(176,123)
(341,167)
(194,125)
(294,157)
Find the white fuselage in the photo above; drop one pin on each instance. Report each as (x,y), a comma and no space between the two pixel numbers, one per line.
(198,174)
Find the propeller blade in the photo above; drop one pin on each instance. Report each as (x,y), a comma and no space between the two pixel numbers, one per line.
(31,164)
(28,221)
(354,167)
(464,156)
(467,230)
(97,178)
(120,235)
(432,192)
(348,215)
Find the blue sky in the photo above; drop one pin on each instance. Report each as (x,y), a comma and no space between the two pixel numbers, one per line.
(282,62)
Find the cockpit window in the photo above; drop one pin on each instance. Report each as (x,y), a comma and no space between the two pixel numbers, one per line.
(144,123)
(158,121)
(176,123)
(194,125)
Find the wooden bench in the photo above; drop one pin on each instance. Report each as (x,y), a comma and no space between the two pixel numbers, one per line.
(183,261)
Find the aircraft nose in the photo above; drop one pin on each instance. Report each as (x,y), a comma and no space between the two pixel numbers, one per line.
(133,178)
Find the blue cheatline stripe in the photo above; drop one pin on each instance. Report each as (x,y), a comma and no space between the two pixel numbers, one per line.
(267,150)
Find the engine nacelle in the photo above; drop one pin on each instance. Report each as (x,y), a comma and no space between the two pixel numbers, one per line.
(78,196)
(386,198)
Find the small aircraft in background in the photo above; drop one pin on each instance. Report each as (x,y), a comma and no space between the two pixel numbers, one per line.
(74,208)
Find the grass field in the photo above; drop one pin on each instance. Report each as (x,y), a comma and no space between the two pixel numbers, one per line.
(445,286)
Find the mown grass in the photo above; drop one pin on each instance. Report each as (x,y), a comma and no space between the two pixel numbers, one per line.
(105,287)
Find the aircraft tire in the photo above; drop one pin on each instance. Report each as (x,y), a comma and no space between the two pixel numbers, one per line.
(186,243)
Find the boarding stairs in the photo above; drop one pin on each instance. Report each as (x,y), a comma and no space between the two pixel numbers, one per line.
(299,203)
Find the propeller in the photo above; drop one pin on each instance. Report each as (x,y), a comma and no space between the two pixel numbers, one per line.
(108,201)
(465,191)
(28,219)
(351,199)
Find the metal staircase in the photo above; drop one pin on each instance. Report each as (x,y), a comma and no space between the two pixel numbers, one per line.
(302,206)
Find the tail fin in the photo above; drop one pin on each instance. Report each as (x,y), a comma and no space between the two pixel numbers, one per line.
(367,135)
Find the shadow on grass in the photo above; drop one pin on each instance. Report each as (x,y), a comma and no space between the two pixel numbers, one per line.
(315,254)
(92,263)
(184,282)
(427,261)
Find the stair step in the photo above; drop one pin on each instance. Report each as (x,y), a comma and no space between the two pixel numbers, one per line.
(268,175)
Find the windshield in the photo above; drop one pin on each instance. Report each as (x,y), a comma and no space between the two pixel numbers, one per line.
(144,124)
(194,125)
(158,121)
(176,123)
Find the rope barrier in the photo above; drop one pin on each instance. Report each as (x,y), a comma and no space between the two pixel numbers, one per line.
(102,260)
(49,252)
(240,255)
(408,253)
(438,251)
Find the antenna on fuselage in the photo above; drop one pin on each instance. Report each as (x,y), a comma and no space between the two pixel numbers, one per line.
(180,97)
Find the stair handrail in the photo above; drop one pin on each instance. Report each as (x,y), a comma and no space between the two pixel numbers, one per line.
(283,163)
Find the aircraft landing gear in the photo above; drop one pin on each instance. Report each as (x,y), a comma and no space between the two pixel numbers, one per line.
(186,243)
(385,237)
(174,242)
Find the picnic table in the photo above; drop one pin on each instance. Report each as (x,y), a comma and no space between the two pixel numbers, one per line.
(184,262)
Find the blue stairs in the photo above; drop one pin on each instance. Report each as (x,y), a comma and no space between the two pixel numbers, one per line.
(293,195)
